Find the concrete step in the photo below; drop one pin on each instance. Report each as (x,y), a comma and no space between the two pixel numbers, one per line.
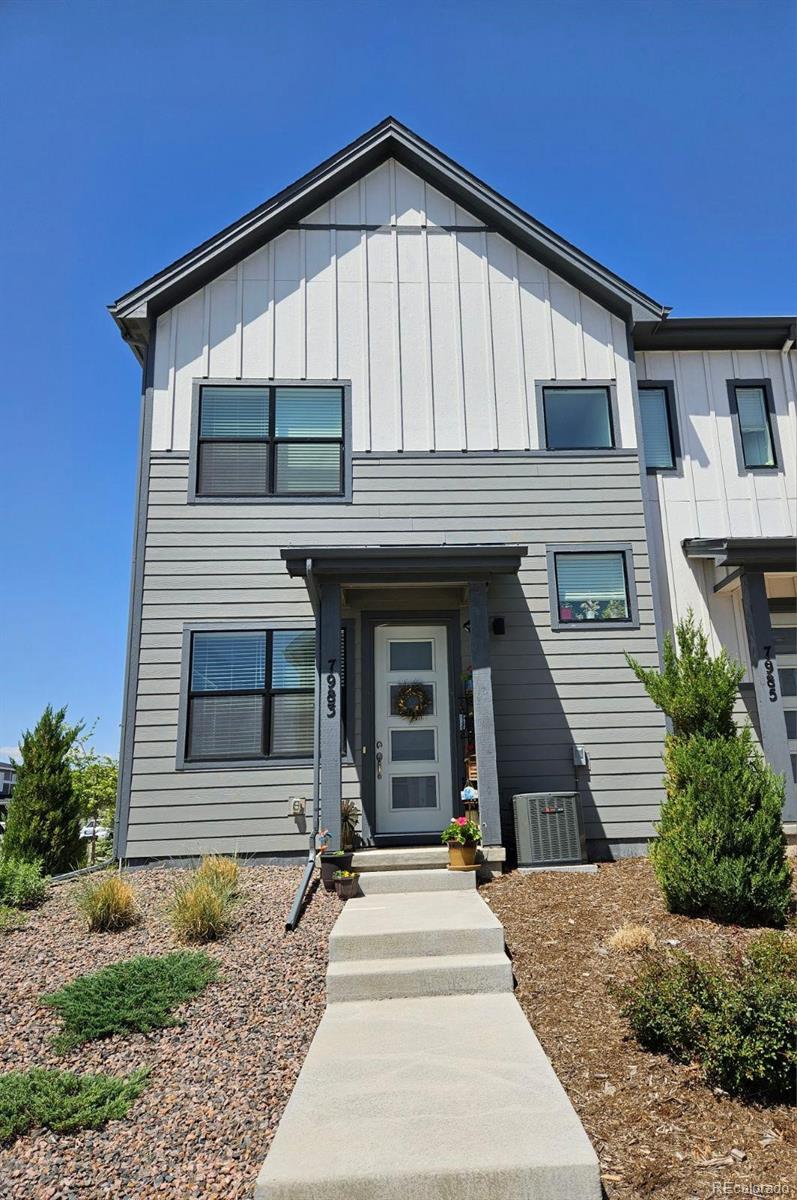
(378,883)
(421,858)
(415,924)
(435,975)
(429,1098)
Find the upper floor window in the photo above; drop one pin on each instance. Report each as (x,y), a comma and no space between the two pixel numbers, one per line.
(578,418)
(657,410)
(751,408)
(270,440)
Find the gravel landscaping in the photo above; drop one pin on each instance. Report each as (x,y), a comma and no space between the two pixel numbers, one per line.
(219,1083)
(658,1130)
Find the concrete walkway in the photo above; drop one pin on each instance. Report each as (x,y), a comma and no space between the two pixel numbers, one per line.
(424,1080)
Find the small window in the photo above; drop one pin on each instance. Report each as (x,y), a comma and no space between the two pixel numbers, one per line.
(658,424)
(411,656)
(751,404)
(270,441)
(592,586)
(251,695)
(577,418)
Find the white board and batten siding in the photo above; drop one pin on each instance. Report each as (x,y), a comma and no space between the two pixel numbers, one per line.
(710,496)
(443,334)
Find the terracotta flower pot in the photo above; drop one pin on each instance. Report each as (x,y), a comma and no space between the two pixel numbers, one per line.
(461,855)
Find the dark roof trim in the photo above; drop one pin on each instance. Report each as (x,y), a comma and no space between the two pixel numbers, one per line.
(430,564)
(756,554)
(716,333)
(388,139)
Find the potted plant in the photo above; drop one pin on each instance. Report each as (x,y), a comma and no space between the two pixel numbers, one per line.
(331,862)
(346,884)
(462,835)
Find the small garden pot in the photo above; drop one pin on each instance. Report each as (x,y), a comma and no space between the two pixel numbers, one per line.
(330,863)
(461,855)
(347,888)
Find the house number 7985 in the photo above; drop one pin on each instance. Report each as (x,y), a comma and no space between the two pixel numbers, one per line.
(332,699)
(770,676)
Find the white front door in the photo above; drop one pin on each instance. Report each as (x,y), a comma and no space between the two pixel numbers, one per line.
(412,759)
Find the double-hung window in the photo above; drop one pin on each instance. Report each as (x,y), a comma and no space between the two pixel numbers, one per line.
(267,440)
(659,428)
(591,586)
(751,408)
(578,417)
(250,695)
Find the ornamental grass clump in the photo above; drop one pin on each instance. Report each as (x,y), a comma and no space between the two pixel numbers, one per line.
(631,939)
(107,904)
(220,871)
(201,909)
(62,1101)
(136,996)
(736,1019)
(720,850)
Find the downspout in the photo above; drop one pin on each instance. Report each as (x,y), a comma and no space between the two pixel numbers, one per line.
(298,900)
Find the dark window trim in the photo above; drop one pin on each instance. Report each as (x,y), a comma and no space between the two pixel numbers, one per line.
(627,551)
(342,497)
(772,425)
(541,386)
(668,386)
(183,763)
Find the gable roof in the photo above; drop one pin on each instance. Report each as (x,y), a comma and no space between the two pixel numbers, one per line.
(134,311)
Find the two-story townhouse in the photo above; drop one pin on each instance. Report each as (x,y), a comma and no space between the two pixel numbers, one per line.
(395,528)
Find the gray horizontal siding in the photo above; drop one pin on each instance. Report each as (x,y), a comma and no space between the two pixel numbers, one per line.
(551,690)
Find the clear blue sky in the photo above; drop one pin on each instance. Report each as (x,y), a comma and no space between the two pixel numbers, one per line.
(659,137)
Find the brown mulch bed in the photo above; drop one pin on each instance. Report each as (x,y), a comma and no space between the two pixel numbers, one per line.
(219,1082)
(653,1123)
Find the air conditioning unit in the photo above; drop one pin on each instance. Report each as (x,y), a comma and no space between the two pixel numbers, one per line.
(548,829)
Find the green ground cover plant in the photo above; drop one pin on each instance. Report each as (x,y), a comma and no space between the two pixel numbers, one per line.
(720,850)
(62,1101)
(129,997)
(737,1019)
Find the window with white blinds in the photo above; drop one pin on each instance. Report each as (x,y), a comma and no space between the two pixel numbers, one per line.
(592,586)
(270,441)
(251,695)
(755,431)
(657,433)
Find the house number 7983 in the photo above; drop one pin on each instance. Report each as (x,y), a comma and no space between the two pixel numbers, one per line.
(332,698)
(770,676)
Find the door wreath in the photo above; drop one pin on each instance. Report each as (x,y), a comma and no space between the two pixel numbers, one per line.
(413,701)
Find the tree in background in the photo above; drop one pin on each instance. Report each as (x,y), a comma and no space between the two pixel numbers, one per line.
(720,850)
(43,816)
(94,779)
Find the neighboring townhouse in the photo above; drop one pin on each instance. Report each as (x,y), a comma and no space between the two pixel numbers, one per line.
(8,775)
(395,528)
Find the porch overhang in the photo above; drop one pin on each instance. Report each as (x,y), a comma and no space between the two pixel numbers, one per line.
(416,564)
(767,554)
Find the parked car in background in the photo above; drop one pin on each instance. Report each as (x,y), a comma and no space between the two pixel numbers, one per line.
(93,829)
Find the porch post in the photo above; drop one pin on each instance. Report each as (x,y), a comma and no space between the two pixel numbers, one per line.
(483,715)
(329,698)
(764,667)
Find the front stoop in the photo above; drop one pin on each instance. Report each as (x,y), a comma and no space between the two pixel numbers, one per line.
(424,1080)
